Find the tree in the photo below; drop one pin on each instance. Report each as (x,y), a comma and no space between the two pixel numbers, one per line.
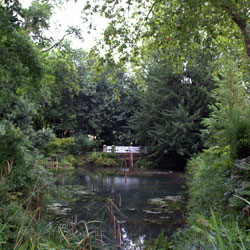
(136,26)
(56,110)
(20,68)
(172,108)
(83,102)
(22,77)
(36,20)
(103,109)
(229,123)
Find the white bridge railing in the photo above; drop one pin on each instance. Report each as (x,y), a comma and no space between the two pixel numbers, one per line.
(124,149)
(126,153)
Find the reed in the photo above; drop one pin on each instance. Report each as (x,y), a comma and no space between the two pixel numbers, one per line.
(8,169)
(229,236)
(113,219)
(35,233)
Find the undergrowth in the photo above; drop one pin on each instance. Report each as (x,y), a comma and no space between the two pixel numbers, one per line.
(99,159)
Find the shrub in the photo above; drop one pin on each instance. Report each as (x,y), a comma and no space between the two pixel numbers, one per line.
(212,233)
(160,243)
(240,137)
(99,159)
(237,185)
(13,152)
(41,140)
(206,174)
(60,145)
(82,144)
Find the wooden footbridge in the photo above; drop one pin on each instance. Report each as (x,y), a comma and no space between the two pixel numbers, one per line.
(128,154)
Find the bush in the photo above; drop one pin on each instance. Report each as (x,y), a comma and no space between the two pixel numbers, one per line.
(12,220)
(60,145)
(215,182)
(14,158)
(160,243)
(237,185)
(82,144)
(213,233)
(18,177)
(12,144)
(206,174)
(41,140)
(99,159)
(240,137)
(145,163)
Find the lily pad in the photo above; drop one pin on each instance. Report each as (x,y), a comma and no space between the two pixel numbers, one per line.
(173,198)
(151,212)
(157,201)
(158,220)
(168,204)
(132,209)
(59,209)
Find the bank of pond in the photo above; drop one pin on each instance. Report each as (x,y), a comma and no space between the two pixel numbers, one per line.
(93,201)
(90,201)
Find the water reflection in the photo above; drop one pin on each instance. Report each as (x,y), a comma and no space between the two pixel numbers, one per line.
(129,244)
(110,183)
(136,218)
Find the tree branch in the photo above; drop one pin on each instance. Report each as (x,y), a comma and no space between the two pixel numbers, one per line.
(151,9)
(241,23)
(55,44)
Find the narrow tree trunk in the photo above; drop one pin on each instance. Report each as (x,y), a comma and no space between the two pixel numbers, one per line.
(241,22)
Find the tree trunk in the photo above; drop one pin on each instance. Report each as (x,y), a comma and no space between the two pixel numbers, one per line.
(241,22)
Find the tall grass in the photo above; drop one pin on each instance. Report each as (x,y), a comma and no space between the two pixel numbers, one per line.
(230,236)
(28,230)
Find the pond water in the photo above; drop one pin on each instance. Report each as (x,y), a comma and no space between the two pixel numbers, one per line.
(142,205)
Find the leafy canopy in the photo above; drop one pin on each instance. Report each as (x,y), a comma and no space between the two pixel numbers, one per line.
(136,27)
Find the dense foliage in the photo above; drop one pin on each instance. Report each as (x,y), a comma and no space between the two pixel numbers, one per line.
(81,102)
(172,107)
(218,177)
(184,94)
(46,90)
(137,27)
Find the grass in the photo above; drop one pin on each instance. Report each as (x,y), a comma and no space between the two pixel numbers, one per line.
(22,227)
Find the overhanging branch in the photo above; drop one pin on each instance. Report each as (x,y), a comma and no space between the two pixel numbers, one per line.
(151,9)
(55,44)
(241,23)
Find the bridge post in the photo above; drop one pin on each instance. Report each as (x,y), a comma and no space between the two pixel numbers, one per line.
(131,158)
(104,148)
(113,149)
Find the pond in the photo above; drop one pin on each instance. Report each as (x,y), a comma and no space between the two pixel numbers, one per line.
(130,210)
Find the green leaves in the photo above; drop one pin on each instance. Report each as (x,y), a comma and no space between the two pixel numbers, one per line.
(228,121)
(169,120)
(37,18)
(21,70)
(187,26)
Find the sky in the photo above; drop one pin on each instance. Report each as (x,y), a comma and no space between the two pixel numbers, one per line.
(69,14)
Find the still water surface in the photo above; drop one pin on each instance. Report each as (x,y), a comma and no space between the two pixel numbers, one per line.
(138,204)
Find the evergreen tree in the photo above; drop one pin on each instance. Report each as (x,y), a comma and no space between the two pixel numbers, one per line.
(229,122)
(172,107)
